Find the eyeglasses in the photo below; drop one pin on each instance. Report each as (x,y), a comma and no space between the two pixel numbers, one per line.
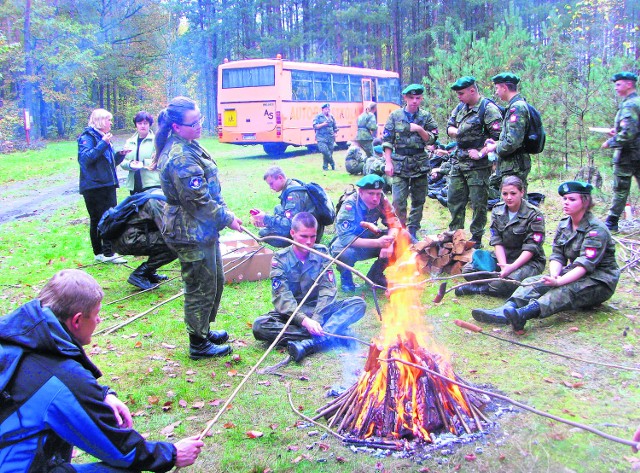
(195,124)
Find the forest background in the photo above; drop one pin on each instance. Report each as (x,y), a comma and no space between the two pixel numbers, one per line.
(59,59)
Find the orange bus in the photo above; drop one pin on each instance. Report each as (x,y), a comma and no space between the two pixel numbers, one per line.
(272,102)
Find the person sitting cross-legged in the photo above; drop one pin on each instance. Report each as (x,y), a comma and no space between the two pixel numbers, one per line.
(293,273)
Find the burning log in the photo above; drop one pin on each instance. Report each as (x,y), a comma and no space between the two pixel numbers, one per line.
(445,253)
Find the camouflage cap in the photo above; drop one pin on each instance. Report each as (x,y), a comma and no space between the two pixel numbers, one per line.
(574,187)
(505,77)
(463,83)
(371,181)
(624,75)
(413,89)
(324,105)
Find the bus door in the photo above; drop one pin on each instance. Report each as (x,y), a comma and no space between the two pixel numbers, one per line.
(367,91)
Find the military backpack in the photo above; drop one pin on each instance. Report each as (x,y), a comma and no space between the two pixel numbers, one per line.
(114,221)
(325,210)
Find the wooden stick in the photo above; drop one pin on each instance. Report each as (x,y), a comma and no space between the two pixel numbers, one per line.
(308,419)
(348,337)
(141,292)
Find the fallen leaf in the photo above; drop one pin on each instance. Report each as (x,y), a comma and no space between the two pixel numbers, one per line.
(323,446)
(225,385)
(264,383)
(577,385)
(341,459)
(267,470)
(236,358)
(167,406)
(575,374)
(297,459)
(573,329)
(558,436)
(232,373)
(273,426)
(213,374)
(293,448)
(424,469)
(215,402)
(153,400)
(170,394)
(549,380)
(190,380)
(168,430)
(567,411)
(229,425)
(182,403)
(502,457)
(197,405)
(470,457)
(190,372)
(254,434)
(138,344)
(303,378)
(167,346)
(242,343)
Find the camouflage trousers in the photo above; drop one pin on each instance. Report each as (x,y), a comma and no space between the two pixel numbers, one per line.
(622,175)
(149,244)
(203,278)
(404,187)
(516,165)
(465,186)
(586,292)
(336,318)
(367,146)
(503,288)
(326,148)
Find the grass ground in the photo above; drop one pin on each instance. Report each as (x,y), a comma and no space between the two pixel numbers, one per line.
(147,364)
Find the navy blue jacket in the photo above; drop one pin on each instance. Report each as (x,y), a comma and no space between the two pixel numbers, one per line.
(50,400)
(97,161)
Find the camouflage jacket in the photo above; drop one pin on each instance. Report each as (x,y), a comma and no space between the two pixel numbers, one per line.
(326,133)
(367,126)
(627,126)
(509,147)
(354,160)
(472,133)
(291,279)
(589,246)
(353,211)
(524,233)
(143,227)
(409,156)
(291,205)
(195,211)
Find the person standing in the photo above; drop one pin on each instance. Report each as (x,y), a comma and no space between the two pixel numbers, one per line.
(407,131)
(472,122)
(367,128)
(140,161)
(326,128)
(513,160)
(98,178)
(625,142)
(194,215)
(293,273)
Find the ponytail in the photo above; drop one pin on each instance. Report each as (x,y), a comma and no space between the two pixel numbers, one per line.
(174,113)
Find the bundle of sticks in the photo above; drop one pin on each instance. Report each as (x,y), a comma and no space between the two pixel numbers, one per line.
(629,252)
(445,253)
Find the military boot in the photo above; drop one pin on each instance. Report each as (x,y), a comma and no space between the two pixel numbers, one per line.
(518,317)
(299,349)
(477,242)
(612,223)
(202,348)
(493,316)
(376,272)
(139,278)
(346,281)
(413,233)
(217,337)
(154,277)
(470,289)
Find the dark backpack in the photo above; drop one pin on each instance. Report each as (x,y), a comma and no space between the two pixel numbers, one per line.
(535,137)
(114,221)
(325,211)
(347,192)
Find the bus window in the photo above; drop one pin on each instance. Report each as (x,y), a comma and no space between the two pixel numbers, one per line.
(249,77)
(302,85)
(388,90)
(355,85)
(321,86)
(340,87)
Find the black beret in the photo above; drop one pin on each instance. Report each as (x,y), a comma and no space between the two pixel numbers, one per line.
(624,75)
(505,77)
(371,181)
(575,187)
(463,83)
(413,89)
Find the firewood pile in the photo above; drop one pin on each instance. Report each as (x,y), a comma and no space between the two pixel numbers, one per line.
(628,253)
(445,253)
(392,400)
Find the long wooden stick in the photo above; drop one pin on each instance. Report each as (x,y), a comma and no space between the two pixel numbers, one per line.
(309,419)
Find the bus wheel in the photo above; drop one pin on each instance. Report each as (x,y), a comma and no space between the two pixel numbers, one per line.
(274,149)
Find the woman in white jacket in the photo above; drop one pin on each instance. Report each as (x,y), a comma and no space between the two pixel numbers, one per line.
(143,174)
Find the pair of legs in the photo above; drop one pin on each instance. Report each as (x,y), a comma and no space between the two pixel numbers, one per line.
(499,288)
(326,148)
(98,201)
(465,186)
(351,256)
(622,177)
(138,242)
(415,187)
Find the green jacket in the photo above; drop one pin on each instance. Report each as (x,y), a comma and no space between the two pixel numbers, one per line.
(145,154)
(524,233)
(509,147)
(367,126)
(627,126)
(326,133)
(296,201)
(354,160)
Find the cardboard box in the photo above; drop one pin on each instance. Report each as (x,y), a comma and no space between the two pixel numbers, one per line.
(243,259)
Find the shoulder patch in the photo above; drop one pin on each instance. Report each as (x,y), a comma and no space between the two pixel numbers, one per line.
(348,206)
(593,233)
(289,197)
(288,214)
(276,284)
(512,109)
(196,182)
(513,118)
(623,123)
(434,131)
(345,224)
(590,252)
(496,125)
(330,275)
(537,237)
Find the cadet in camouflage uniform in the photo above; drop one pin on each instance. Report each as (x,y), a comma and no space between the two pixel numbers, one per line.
(517,233)
(292,202)
(142,237)
(625,141)
(472,122)
(513,160)
(326,128)
(293,272)
(194,215)
(368,204)
(355,159)
(367,128)
(407,131)
(582,269)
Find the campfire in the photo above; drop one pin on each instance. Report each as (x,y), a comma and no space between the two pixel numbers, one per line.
(393,400)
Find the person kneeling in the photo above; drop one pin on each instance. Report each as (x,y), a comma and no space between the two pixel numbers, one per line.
(293,273)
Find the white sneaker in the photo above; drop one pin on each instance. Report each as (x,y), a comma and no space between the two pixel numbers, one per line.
(115,259)
(99,258)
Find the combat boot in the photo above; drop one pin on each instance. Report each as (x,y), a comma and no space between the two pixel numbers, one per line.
(493,316)
(376,272)
(413,233)
(518,317)
(154,277)
(471,289)
(217,337)
(477,242)
(612,223)
(202,348)
(346,281)
(299,349)
(139,278)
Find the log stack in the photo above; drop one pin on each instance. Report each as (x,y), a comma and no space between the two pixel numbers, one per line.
(445,253)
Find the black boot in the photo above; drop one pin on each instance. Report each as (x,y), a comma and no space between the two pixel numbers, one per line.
(470,289)
(612,223)
(346,281)
(518,317)
(413,233)
(155,277)
(477,241)
(376,272)
(217,337)
(202,348)
(493,316)
(298,350)
(139,278)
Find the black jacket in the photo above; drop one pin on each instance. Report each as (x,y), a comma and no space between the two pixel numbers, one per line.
(97,161)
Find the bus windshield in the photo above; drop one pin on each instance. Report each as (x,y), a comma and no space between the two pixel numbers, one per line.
(248,77)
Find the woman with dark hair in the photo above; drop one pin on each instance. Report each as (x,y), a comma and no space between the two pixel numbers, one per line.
(193,217)
(143,175)
(98,178)
(582,269)
(517,235)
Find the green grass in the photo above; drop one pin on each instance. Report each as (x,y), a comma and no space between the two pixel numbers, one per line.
(147,364)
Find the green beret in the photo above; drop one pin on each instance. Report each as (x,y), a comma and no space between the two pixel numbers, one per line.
(413,89)
(483,261)
(324,105)
(505,77)
(574,187)
(624,75)
(371,181)
(463,83)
